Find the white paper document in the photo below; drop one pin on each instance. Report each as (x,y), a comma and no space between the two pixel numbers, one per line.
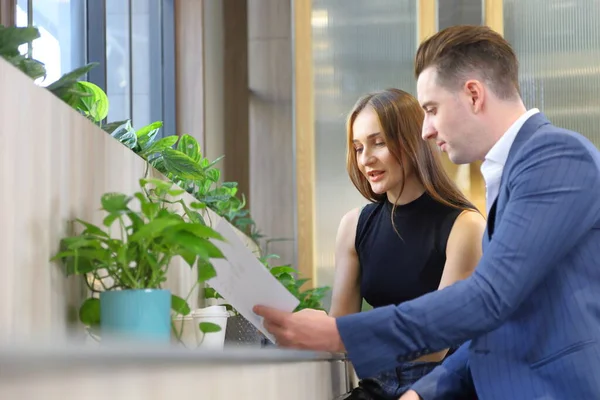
(245,282)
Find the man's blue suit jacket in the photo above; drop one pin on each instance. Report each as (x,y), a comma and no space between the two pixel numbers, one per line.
(530,312)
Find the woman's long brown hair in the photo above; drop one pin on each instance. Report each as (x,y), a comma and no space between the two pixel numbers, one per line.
(401,118)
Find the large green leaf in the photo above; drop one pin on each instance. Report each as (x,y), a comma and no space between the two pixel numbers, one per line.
(147,134)
(70,78)
(153,229)
(206,270)
(213,174)
(89,312)
(188,256)
(83,261)
(115,202)
(32,68)
(197,229)
(92,229)
(190,147)
(179,305)
(283,269)
(95,104)
(160,145)
(125,134)
(202,247)
(181,165)
(111,126)
(12,37)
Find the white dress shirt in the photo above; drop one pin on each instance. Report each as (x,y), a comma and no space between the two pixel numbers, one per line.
(494,161)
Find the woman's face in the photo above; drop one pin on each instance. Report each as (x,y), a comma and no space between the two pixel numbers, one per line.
(373,157)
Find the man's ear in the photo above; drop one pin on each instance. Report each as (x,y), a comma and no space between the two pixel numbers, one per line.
(475,92)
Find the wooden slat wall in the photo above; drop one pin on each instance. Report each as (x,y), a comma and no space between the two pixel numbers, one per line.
(54,167)
(304,122)
(189,64)
(271,125)
(236,94)
(7,12)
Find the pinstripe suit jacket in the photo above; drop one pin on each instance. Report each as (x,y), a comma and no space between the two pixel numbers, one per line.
(530,313)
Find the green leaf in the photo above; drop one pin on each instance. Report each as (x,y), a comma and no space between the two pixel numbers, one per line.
(179,305)
(95,102)
(125,134)
(84,260)
(210,293)
(229,185)
(216,161)
(110,219)
(283,269)
(199,230)
(285,279)
(89,312)
(12,37)
(92,229)
(190,147)
(115,202)
(182,165)
(209,327)
(136,220)
(213,174)
(153,229)
(188,256)
(110,127)
(206,270)
(147,134)
(160,145)
(193,243)
(150,210)
(72,77)
(32,68)
(156,183)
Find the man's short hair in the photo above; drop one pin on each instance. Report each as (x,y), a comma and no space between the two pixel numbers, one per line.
(461,50)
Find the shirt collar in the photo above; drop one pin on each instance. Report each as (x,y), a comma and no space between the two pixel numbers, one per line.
(499,152)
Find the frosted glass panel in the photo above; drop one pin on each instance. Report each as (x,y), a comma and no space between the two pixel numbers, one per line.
(358,46)
(558,45)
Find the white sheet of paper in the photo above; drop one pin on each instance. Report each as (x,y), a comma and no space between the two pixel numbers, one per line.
(245,282)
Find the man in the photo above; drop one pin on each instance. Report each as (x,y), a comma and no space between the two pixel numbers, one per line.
(530,313)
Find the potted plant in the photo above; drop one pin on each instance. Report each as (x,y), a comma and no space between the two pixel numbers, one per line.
(125,261)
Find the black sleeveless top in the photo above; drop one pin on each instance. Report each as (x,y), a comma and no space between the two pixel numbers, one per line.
(396,268)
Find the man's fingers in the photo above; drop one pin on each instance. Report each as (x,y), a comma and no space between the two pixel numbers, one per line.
(271,314)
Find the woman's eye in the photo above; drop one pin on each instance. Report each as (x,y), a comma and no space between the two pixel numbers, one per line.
(380,144)
(358,150)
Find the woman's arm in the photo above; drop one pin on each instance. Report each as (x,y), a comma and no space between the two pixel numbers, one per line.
(463,249)
(346,298)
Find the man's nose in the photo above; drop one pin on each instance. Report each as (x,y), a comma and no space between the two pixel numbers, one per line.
(429,132)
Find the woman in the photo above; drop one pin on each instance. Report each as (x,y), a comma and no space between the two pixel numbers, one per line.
(418,234)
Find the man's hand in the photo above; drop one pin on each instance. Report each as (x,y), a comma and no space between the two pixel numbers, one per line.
(410,395)
(306,329)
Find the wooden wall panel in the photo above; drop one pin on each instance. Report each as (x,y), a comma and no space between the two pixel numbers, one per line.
(271,125)
(236,94)
(7,12)
(494,15)
(304,125)
(189,65)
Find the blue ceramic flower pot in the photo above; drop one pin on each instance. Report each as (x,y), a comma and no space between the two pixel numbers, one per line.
(136,315)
